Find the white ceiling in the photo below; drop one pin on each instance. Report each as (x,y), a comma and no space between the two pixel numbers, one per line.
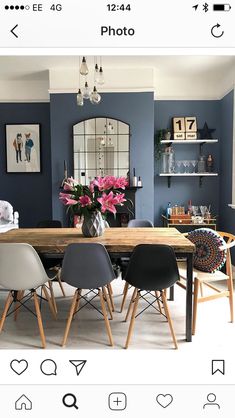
(29,78)
(37,67)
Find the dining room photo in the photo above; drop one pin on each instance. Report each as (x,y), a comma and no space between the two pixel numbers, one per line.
(117,202)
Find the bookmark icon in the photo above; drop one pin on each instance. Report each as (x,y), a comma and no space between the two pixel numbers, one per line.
(78,364)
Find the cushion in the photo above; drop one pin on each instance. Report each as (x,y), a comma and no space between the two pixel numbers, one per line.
(6,212)
(208,256)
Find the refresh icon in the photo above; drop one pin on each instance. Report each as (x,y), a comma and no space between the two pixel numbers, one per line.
(215,32)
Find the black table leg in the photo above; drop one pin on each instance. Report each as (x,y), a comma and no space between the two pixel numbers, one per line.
(189,297)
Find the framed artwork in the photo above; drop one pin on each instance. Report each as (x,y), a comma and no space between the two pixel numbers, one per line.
(23,148)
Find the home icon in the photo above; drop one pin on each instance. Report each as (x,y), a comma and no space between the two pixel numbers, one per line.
(23,403)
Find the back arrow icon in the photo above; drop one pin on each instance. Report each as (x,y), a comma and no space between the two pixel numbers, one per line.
(213,31)
(12,31)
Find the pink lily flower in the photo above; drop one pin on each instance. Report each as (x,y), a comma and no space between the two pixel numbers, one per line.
(85,201)
(120,183)
(107,202)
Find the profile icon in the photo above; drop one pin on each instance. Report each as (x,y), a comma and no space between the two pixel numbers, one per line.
(211,397)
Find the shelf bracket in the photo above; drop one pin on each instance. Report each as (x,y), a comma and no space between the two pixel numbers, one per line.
(169,181)
(200,181)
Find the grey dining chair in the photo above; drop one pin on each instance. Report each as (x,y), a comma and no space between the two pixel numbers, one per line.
(88,266)
(140,223)
(21,270)
(151,270)
(133,223)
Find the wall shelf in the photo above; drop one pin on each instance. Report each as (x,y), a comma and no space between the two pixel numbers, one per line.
(189,141)
(200,175)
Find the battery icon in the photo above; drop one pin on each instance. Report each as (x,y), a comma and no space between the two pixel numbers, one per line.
(222,7)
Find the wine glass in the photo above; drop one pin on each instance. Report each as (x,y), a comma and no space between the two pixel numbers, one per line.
(178,164)
(195,210)
(194,164)
(203,210)
(187,164)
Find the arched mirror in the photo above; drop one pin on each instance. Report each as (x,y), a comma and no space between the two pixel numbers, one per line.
(101,147)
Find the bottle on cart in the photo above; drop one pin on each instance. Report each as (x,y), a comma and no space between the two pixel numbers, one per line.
(190,207)
(168,210)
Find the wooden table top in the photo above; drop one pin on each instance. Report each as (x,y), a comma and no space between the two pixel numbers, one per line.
(116,240)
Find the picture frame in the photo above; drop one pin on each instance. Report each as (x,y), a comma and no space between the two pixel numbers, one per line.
(23,148)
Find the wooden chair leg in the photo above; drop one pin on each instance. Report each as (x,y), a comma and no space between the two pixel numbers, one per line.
(157,294)
(61,284)
(52,295)
(110,293)
(195,303)
(49,300)
(107,299)
(77,303)
(6,308)
(125,291)
(230,289)
(131,326)
(130,304)
(39,318)
(164,300)
(20,295)
(201,289)
(107,324)
(70,317)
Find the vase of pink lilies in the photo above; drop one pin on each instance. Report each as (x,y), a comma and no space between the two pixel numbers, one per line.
(93,202)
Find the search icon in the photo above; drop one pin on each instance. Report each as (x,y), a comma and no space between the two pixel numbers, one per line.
(70,401)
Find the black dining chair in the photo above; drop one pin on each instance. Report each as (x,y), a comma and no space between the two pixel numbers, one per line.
(133,223)
(50,262)
(152,269)
(88,266)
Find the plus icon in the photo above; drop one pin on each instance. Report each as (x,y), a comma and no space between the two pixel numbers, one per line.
(117,401)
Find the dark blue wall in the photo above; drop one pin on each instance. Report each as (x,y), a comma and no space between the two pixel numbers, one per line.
(137,109)
(227,215)
(30,194)
(182,189)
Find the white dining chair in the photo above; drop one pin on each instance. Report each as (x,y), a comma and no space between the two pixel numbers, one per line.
(8,218)
(21,271)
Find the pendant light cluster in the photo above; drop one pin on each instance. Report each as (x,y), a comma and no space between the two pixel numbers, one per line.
(86,93)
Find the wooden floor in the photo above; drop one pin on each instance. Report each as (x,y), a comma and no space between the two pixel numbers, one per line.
(150,332)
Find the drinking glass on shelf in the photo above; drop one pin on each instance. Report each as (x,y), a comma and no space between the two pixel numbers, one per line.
(178,165)
(187,164)
(194,164)
(183,163)
(203,210)
(195,210)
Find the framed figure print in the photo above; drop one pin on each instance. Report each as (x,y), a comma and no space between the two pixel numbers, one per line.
(23,148)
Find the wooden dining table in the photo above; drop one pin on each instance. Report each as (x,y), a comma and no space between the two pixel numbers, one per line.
(119,242)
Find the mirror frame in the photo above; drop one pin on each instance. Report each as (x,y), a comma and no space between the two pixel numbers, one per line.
(104,117)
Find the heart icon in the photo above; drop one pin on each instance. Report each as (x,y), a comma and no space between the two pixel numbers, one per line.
(19,366)
(164,400)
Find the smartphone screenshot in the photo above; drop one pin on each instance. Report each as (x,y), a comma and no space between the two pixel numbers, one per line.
(117,198)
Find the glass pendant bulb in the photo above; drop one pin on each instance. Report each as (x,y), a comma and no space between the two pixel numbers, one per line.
(96,73)
(95,97)
(80,98)
(86,91)
(84,68)
(101,76)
